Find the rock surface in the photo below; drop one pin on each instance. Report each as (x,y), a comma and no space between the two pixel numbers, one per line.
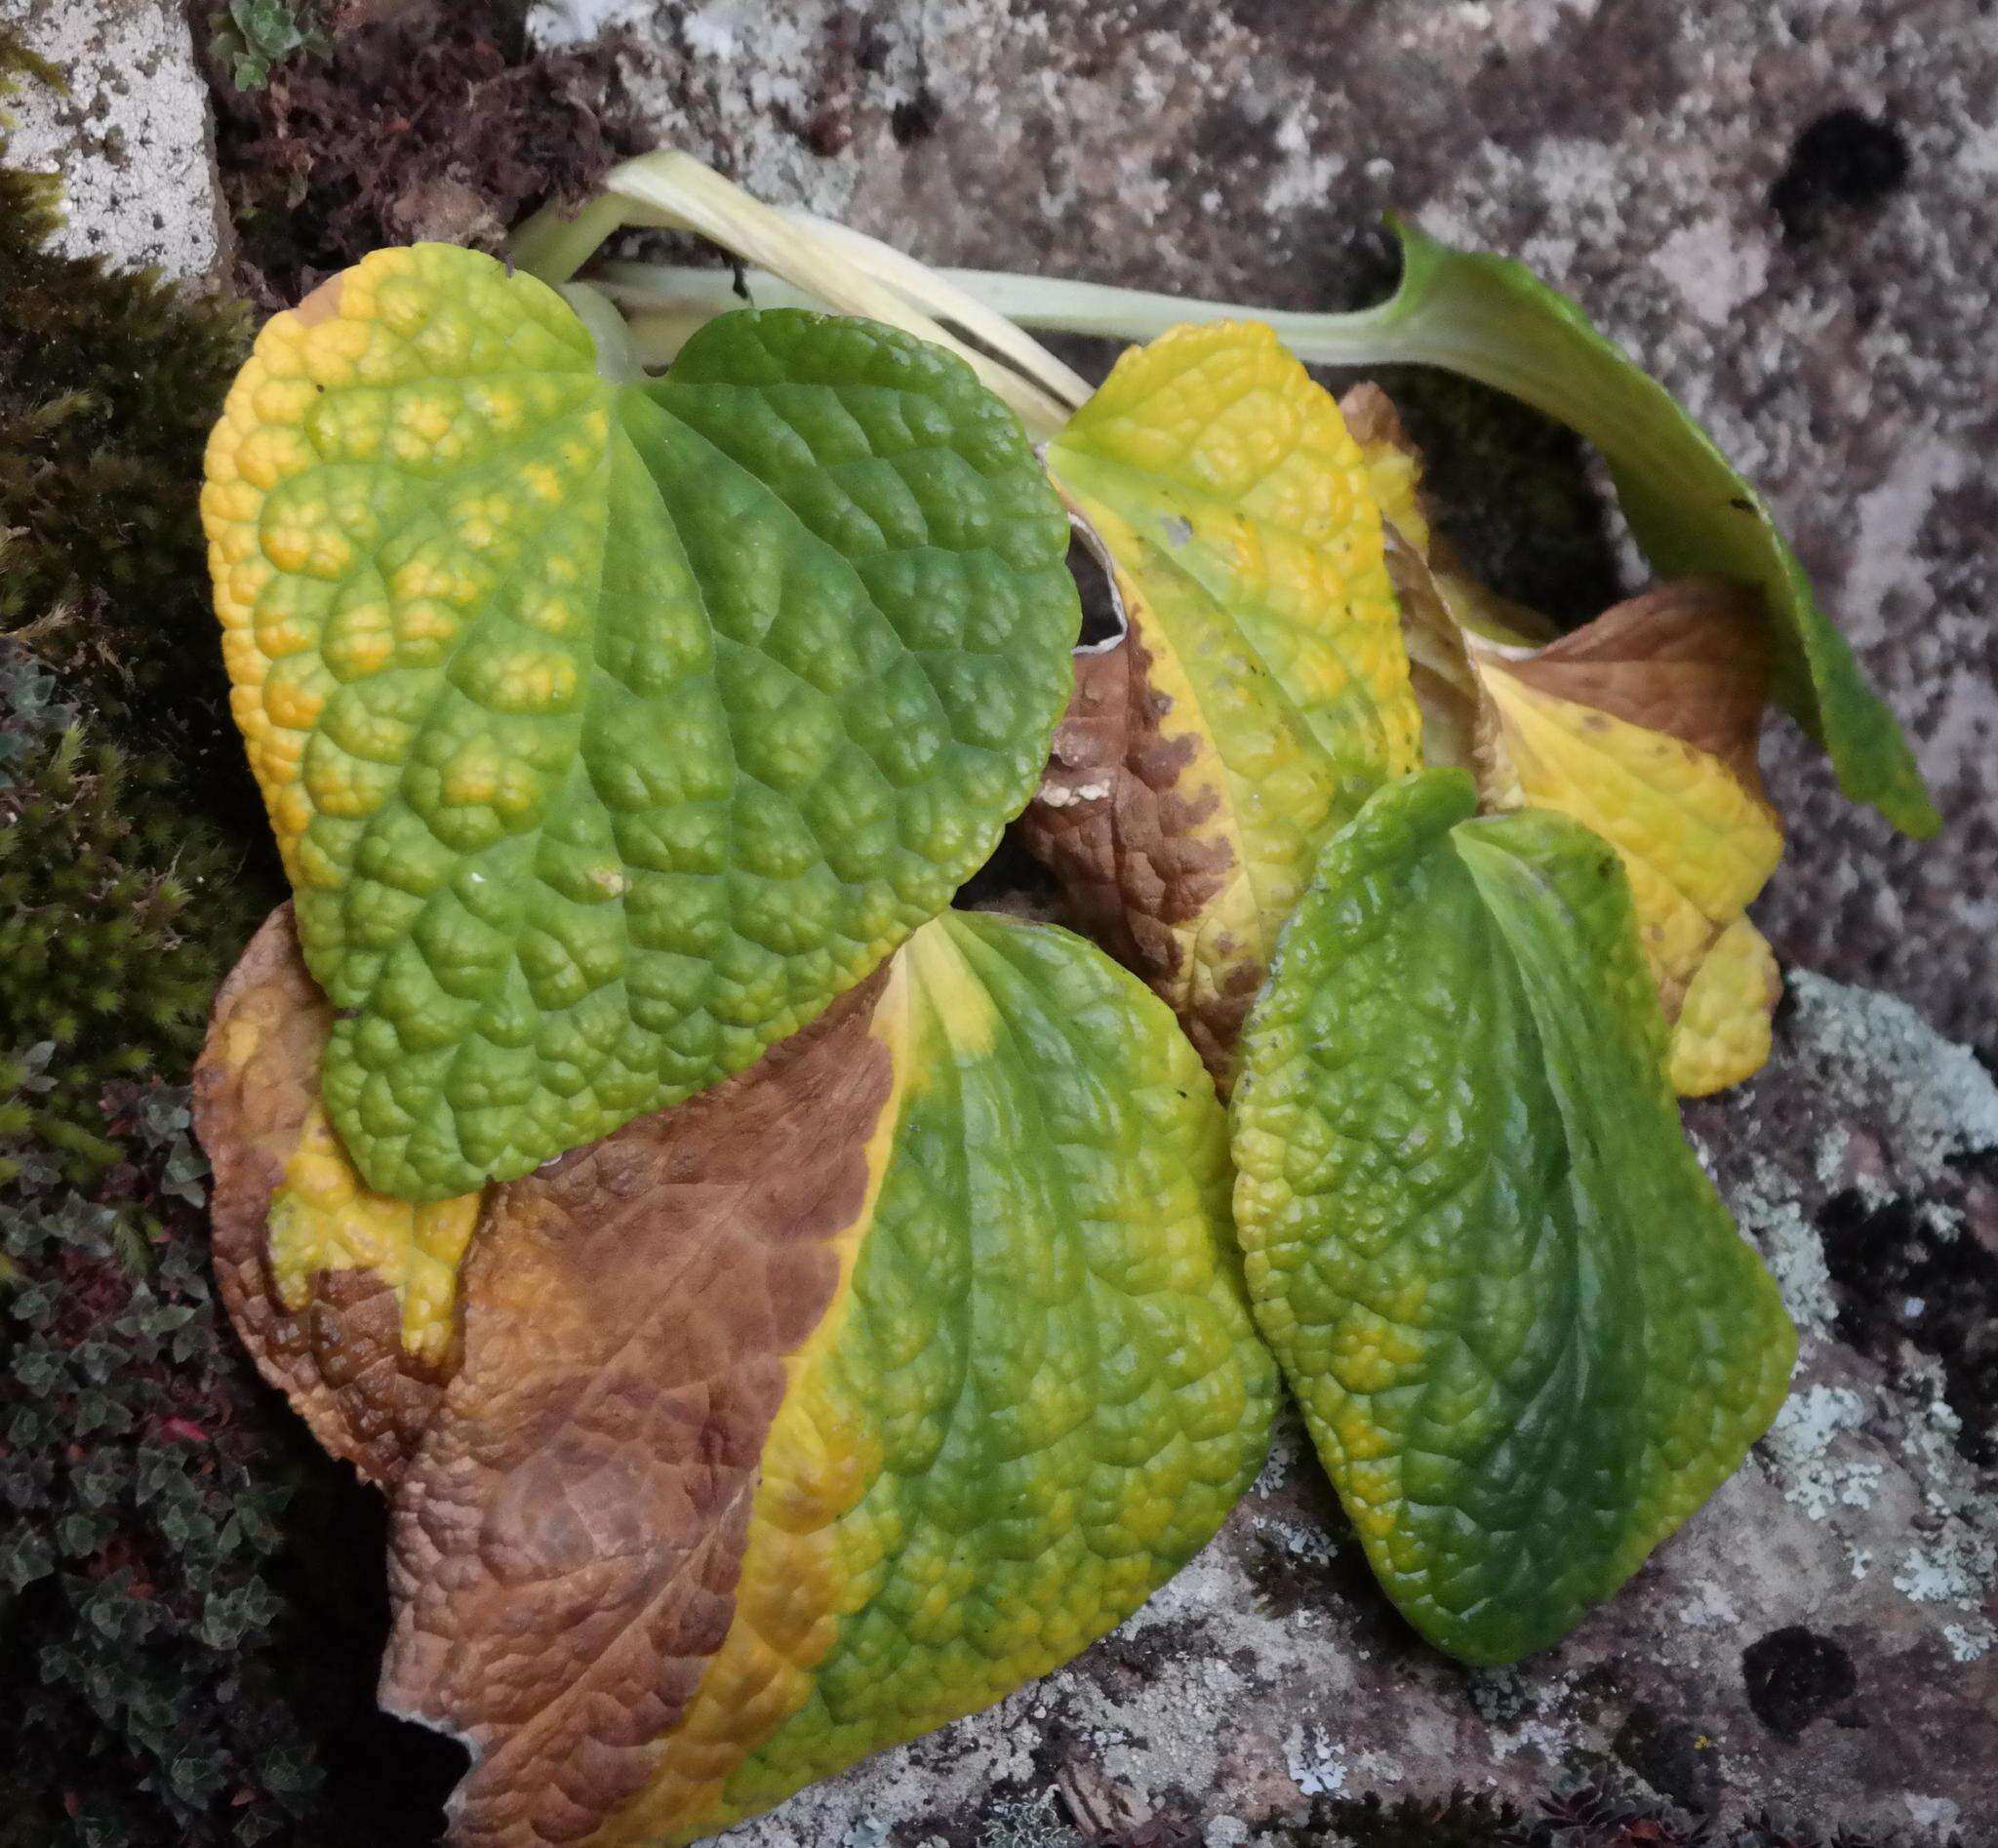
(130,138)
(1785,209)
(1818,1641)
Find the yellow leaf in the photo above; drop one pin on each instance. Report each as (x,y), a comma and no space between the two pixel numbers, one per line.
(1261,692)
(324,1217)
(1722,1034)
(1697,844)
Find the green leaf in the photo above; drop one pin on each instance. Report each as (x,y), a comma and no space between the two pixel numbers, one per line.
(1527,1337)
(611,729)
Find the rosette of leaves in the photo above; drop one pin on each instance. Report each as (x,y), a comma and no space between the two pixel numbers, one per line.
(784,1313)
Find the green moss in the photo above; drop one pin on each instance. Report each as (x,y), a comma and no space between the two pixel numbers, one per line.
(118,916)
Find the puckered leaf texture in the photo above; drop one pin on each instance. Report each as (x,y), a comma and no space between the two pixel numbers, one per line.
(1526,1335)
(610,730)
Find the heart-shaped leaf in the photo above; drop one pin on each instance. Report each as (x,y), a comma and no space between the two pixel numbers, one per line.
(611,727)
(1526,1335)
(1261,691)
(813,1413)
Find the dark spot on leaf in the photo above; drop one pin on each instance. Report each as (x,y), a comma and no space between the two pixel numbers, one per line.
(1793,1676)
(1843,159)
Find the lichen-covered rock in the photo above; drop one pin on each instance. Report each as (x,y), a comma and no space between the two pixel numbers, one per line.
(128,135)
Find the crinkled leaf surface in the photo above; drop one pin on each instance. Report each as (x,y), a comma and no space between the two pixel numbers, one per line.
(1261,691)
(1494,320)
(611,729)
(832,1404)
(345,1298)
(1526,1335)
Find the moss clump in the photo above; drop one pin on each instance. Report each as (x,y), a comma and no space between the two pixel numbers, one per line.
(157,1686)
(109,386)
(117,918)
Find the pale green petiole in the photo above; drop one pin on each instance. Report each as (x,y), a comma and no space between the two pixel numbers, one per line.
(828,266)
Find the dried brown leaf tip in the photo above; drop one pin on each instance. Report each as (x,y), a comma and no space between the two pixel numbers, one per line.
(1689,659)
(345,1298)
(567,1546)
(1131,818)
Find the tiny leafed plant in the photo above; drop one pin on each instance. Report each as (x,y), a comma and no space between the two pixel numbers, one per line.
(785,1312)
(253,38)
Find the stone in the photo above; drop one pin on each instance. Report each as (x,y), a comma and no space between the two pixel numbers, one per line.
(130,139)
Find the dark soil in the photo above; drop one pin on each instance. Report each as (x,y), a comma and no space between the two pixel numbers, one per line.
(1903,1274)
(1795,1676)
(435,121)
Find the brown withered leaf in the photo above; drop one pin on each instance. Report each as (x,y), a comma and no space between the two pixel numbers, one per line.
(1689,657)
(565,1543)
(340,1357)
(1123,826)
(1457,727)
